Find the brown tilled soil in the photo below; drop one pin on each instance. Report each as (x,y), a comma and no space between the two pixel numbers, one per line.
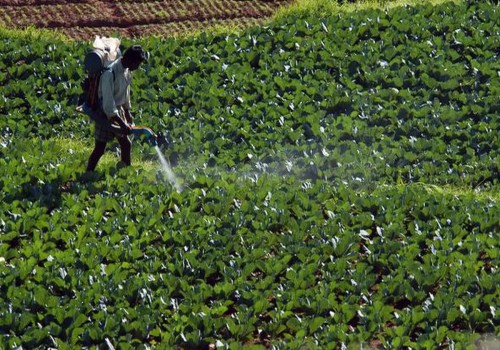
(83,20)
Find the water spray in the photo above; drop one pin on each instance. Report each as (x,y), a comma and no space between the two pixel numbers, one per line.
(153,140)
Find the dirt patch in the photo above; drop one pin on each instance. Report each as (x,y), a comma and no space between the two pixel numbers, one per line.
(83,20)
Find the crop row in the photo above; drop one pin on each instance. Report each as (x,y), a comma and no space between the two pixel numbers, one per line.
(93,16)
(160,30)
(63,2)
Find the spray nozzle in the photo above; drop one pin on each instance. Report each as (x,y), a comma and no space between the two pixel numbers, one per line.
(153,141)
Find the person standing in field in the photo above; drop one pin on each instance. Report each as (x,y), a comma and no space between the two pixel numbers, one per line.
(114,117)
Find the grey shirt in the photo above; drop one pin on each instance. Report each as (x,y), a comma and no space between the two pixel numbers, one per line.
(114,89)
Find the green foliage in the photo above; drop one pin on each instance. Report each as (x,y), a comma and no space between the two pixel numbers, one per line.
(340,187)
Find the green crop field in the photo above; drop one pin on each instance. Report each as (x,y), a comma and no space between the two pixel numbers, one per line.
(336,187)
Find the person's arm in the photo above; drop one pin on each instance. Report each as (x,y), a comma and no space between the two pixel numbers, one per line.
(127,106)
(108,101)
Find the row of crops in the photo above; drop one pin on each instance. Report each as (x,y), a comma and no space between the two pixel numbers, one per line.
(340,188)
(85,19)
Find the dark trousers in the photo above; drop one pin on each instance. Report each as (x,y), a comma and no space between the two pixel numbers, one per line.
(100,147)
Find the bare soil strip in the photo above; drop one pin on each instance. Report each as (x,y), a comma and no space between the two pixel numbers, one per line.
(84,19)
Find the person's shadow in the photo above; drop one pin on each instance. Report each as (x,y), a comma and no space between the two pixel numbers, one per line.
(49,194)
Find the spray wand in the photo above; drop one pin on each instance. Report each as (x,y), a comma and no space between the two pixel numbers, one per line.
(144,130)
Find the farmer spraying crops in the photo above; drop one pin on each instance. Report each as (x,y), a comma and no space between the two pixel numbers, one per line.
(112,116)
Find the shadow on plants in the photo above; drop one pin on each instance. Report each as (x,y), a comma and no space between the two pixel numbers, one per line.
(49,194)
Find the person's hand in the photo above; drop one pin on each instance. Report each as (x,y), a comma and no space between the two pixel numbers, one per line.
(129,117)
(128,129)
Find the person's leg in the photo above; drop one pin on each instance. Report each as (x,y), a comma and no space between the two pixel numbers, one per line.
(96,155)
(125,148)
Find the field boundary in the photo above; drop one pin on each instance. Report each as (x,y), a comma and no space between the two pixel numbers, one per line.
(84,20)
